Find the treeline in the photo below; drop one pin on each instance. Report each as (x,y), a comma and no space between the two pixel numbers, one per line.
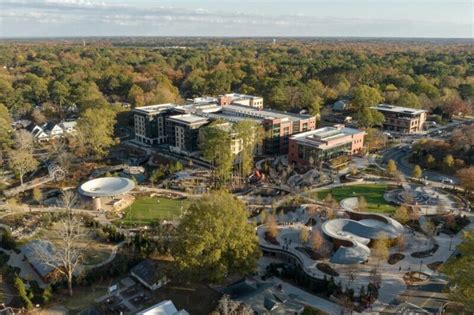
(291,76)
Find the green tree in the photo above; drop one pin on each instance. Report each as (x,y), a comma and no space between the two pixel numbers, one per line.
(408,99)
(22,293)
(5,128)
(366,96)
(215,143)
(417,171)
(96,128)
(391,167)
(459,271)
(250,134)
(214,239)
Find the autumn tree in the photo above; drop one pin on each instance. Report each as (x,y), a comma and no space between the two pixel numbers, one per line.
(401,215)
(361,204)
(380,248)
(391,167)
(448,162)
(5,129)
(417,172)
(430,161)
(272,226)
(95,128)
(304,235)
(215,240)
(22,162)
(466,176)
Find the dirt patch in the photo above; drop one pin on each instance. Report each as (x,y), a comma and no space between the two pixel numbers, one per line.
(435,265)
(327,269)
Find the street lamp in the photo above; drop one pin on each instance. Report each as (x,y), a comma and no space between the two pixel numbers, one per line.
(421,262)
(451,242)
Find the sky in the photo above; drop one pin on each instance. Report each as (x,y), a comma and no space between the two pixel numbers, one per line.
(273,18)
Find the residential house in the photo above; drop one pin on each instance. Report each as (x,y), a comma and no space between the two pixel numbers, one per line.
(149,274)
(163,308)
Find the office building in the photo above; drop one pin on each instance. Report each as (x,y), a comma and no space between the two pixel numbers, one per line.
(402,119)
(324,144)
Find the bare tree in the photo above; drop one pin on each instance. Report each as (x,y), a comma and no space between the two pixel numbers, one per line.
(227,306)
(68,237)
(24,140)
(22,162)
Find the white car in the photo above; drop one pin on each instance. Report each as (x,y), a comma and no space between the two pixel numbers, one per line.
(446,180)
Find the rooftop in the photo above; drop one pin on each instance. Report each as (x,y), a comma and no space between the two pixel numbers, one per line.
(322,137)
(188,118)
(155,109)
(398,109)
(31,250)
(263,114)
(148,272)
(165,307)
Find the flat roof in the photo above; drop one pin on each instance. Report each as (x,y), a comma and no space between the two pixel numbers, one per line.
(264,114)
(106,187)
(323,136)
(188,118)
(152,109)
(398,109)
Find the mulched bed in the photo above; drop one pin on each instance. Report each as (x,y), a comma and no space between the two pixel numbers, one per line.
(311,222)
(271,239)
(435,265)
(395,258)
(415,277)
(327,269)
(426,253)
(310,252)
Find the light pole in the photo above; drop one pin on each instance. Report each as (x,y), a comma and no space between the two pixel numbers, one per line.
(451,242)
(421,262)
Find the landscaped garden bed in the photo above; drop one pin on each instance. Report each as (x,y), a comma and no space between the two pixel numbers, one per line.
(435,265)
(327,269)
(311,253)
(395,258)
(414,277)
(426,253)
(271,239)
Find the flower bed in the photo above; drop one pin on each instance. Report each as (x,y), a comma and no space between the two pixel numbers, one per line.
(327,269)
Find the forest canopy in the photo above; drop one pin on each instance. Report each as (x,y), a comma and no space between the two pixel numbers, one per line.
(291,75)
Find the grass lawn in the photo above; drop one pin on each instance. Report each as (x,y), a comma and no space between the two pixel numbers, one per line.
(373,193)
(146,210)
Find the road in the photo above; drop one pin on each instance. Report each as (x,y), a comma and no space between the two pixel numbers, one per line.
(400,155)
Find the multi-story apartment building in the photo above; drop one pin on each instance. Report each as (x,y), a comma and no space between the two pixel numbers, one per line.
(154,124)
(278,126)
(402,119)
(324,144)
(183,132)
(149,123)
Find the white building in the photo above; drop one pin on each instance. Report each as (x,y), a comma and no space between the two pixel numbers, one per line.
(165,307)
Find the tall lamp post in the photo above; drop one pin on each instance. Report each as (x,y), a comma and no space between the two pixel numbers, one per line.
(421,262)
(451,242)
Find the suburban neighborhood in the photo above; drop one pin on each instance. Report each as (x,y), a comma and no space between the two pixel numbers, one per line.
(237,172)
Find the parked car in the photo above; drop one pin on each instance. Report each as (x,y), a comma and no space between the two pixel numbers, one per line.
(446,180)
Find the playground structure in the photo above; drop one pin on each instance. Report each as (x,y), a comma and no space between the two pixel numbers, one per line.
(107,188)
(352,237)
(411,195)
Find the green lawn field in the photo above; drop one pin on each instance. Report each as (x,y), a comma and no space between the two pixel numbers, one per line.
(373,194)
(146,210)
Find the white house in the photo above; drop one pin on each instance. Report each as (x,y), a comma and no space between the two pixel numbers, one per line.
(53,130)
(37,132)
(68,126)
(165,307)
